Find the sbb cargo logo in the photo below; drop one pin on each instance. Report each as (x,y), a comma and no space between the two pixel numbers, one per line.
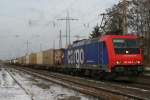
(76,56)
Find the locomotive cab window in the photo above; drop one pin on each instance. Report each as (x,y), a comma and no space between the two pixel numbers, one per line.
(126,46)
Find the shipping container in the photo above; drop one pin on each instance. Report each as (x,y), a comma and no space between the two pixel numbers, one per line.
(32,59)
(48,57)
(14,61)
(59,56)
(20,60)
(39,58)
(27,59)
(24,60)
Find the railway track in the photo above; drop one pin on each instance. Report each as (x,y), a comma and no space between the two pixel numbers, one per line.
(19,84)
(102,90)
(142,82)
(138,85)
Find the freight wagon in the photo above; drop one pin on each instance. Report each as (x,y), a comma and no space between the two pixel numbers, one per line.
(47,59)
(23,60)
(32,59)
(52,58)
(39,58)
(27,59)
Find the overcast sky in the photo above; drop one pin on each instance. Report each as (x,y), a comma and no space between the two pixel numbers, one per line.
(36,21)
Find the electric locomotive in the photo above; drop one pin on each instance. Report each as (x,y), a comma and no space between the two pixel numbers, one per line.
(108,55)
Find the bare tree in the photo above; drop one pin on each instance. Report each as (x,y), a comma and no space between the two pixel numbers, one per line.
(139,22)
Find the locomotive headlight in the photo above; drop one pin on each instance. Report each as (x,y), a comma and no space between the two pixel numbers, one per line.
(138,62)
(118,62)
(127,52)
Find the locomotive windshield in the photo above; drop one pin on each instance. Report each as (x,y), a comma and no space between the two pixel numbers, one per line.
(126,46)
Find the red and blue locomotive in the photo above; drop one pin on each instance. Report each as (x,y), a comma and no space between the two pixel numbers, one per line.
(109,55)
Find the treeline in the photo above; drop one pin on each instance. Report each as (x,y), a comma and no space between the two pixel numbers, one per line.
(138,22)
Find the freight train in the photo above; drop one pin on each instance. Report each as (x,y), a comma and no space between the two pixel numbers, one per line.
(108,56)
